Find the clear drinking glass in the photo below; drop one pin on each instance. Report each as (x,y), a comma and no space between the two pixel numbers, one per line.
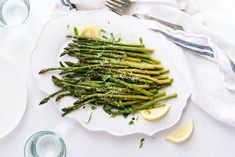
(13,12)
(45,144)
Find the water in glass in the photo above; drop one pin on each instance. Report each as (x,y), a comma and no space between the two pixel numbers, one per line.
(13,12)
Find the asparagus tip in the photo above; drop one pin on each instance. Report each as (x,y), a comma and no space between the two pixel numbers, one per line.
(62,54)
(42,71)
(44,101)
(57,99)
(69,36)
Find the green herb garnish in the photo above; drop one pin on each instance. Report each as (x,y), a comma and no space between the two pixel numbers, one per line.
(141,143)
(137,118)
(89,119)
(104,37)
(112,37)
(93,107)
(141,42)
(113,115)
(67,27)
(118,40)
(103,31)
(125,115)
(131,122)
(75,29)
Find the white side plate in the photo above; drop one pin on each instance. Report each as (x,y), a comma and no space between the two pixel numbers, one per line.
(13,96)
(49,46)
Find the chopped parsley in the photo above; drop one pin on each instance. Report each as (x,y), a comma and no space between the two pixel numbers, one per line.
(125,115)
(113,115)
(137,118)
(131,122)
(141,142)
(93,107)
(104,37)
(141,41)
(89,119)
(75,29)
(112,37)
(67,27)
(103,31)
(118,40)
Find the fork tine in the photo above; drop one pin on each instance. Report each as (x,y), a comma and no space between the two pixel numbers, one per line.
(115,6)
(124,5)
(117,12)
(113,9)
(126,1)
(118,2)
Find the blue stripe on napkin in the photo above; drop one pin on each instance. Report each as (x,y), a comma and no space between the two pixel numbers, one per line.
(232,64)
(68,4)
(200,49)
(72,4)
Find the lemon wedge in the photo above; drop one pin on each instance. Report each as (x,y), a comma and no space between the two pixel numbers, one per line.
(155,113)
(91,31)
(181,134)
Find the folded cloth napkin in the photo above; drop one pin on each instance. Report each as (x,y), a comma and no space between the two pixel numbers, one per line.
(186,5)
(206,61)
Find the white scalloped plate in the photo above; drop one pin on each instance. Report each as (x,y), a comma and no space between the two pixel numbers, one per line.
(49,46)
(13,97)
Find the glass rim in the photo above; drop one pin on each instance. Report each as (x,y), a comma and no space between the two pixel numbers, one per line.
(35,135)
(27,3)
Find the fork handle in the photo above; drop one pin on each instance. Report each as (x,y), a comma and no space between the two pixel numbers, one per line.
(168,24)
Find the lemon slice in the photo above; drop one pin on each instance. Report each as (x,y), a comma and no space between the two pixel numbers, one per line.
(181,134)
(155,113)
(91,31)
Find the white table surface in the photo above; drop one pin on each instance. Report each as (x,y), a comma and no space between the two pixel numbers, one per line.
(210,137)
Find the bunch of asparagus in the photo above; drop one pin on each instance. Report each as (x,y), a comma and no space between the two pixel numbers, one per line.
(121,77)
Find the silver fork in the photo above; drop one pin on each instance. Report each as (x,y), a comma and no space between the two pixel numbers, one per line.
(127,7)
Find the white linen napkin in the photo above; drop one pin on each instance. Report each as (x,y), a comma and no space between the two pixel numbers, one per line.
(186,5)
(211,79)
(208,67)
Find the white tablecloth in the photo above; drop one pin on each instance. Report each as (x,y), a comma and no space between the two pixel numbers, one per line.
(210,137)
